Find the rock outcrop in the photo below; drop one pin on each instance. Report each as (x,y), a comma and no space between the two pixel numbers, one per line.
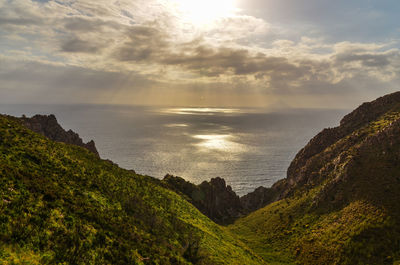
(214,199)
(218,201)
(257,199)
(340,201)
(310,165)
(48,126)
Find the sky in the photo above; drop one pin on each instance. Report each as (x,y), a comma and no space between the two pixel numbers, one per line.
(253,53)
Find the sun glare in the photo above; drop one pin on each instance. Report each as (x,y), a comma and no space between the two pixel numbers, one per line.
(203,12)
(218,142)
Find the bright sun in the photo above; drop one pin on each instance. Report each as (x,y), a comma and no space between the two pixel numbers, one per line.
(203,12)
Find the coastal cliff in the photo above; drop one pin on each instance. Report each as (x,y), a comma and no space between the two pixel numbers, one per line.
(339,202)
(61,203)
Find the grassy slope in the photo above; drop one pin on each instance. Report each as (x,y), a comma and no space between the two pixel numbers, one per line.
(59,203)
(361,226)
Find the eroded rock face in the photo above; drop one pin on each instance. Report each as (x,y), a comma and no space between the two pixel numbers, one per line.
(214,199)
(48,126)
(259,198)
(316,160)
(370,174)
(218,201)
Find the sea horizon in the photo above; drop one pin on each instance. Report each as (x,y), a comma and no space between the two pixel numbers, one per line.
(248,147)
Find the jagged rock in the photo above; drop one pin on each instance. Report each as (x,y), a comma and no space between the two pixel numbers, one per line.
(218,201)
(48,126)
(257,199)
(221,201)
(214,199)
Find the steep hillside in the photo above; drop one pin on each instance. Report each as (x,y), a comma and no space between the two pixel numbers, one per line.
(340,201)
(60,203)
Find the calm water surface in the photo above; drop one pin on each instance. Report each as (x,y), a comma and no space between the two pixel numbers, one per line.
(248,147)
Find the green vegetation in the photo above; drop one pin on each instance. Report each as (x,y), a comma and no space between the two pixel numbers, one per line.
(291,232)
(61,204)
(348,213)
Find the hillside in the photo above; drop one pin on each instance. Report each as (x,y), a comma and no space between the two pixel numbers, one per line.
(60,203)
(340,201)
(339,204)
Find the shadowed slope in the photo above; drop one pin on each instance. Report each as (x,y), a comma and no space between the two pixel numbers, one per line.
(340,201)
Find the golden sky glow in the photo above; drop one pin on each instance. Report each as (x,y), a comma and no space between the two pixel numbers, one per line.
(201,111)
(218,53)
(204,12)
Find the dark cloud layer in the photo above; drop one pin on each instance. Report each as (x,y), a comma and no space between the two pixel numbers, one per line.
(97,48)
(149,45)
(84,25)
(153,46)
(366,59)
(77,45)
(145,44)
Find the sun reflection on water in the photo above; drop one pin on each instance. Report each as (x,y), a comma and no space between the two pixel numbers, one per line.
(218,142)
(201,111)
(171,125)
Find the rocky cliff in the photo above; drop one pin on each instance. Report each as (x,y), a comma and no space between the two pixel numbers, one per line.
(214,198)
(309,167)
(339,202)
(48,126)
(218,201)
(257,199)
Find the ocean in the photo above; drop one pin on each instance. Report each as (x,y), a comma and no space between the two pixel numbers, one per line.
(247,147)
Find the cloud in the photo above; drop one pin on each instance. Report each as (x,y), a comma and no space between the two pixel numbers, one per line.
(45,83)
(97,47)
(18,21)
(155,47)
(85,25)
(239,27)
(16,14)
(296,67)
(145,43)
(218,61)
(77,45)
(374,58)
(366,59)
